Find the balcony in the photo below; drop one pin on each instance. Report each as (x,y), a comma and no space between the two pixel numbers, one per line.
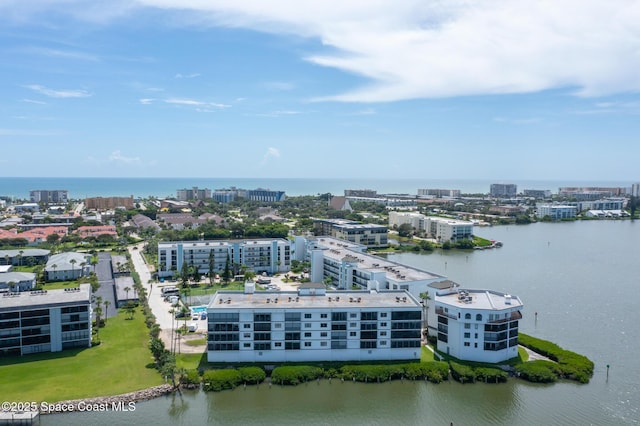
(514,317)
(440,311)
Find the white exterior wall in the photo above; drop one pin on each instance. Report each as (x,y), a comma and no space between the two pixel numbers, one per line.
(316,346)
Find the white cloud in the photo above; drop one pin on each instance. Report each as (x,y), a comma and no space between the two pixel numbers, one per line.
(279,113)
(429,48)
(279,85)
(58,93)
(147,101)
(117,157)
(270,154)
(64,54)
(31,101)
(193,102)
(193,75)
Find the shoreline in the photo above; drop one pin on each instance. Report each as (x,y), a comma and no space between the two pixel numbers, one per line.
(119,402)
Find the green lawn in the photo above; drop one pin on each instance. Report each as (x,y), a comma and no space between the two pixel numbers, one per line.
(191,361)
(56,285)
(121,364)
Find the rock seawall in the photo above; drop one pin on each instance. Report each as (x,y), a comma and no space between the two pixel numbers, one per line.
(106,403)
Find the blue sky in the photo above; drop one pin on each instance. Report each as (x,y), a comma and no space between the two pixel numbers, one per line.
(514,89)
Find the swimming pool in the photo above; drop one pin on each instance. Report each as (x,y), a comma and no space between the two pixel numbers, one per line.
(198,309)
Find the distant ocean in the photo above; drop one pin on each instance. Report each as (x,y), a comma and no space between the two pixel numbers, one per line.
(19,187)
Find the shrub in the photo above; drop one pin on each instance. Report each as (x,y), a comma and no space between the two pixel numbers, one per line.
(252,375)
(570,364)
(190,379)
(539,371)
(462,373)
(293,375)
(491,375)
(372,373)
(435,371)
(217,380)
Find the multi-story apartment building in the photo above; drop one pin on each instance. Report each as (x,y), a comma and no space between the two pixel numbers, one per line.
(313,324)
(193,194)
(602,204)
(259,255)
(224,195)
(503,190)
(441,228)
(597,191)
(477,325)
(45,320)
(635,190)
(264,195)
(439,193)
(537,193)
(367,234)
(348,267)
(555,211)
(49,196)
(107,203)
(369,193)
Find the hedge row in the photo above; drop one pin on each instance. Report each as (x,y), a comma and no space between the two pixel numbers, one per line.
(570,365)
(466,374)
(435,372)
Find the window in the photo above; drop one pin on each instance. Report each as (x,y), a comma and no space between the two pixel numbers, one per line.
(323,325)
(323,315)
(247,335)
(383,333)
(353,315)
(476,336)
(467,344)
(467,316)
(467,325)
(467,335)
(247,345)
(353,334)
(278,344)
(475,345)
(307,344)
(383,314)
(307,325)
(383,343)
(307,334)
(353,324)
(479,317)
(278,325)
(323,334)
(307,316)
(323,343)
(247,326)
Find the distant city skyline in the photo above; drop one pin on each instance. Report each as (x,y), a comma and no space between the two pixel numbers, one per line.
(370,89)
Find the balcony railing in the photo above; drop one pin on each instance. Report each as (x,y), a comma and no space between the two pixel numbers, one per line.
(440,311)
(514,317)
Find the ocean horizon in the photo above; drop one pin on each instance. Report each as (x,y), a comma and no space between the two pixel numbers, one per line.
(19,187)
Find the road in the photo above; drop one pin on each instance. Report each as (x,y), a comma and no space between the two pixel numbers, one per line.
(104,272)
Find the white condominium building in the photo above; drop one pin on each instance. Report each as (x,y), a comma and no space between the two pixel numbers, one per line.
(348,267)
(313,324)
(45,320)
(477,325)
(259,255)
(441,228)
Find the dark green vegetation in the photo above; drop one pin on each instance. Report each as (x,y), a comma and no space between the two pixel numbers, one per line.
(217,380)
(467,373)
(568,365)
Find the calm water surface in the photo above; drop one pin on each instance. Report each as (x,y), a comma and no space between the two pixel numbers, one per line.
(583,280)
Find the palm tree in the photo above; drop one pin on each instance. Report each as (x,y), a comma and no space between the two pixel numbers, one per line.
(72,262)
(94,261)
(172,311)
(82,265)
(106,310)
(54,266)
(127,290)
(20,256)
(98,315)
(425,312)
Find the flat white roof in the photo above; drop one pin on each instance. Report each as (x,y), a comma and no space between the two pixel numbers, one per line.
(395,271)
(291,300)
(42,298)
(480,299)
